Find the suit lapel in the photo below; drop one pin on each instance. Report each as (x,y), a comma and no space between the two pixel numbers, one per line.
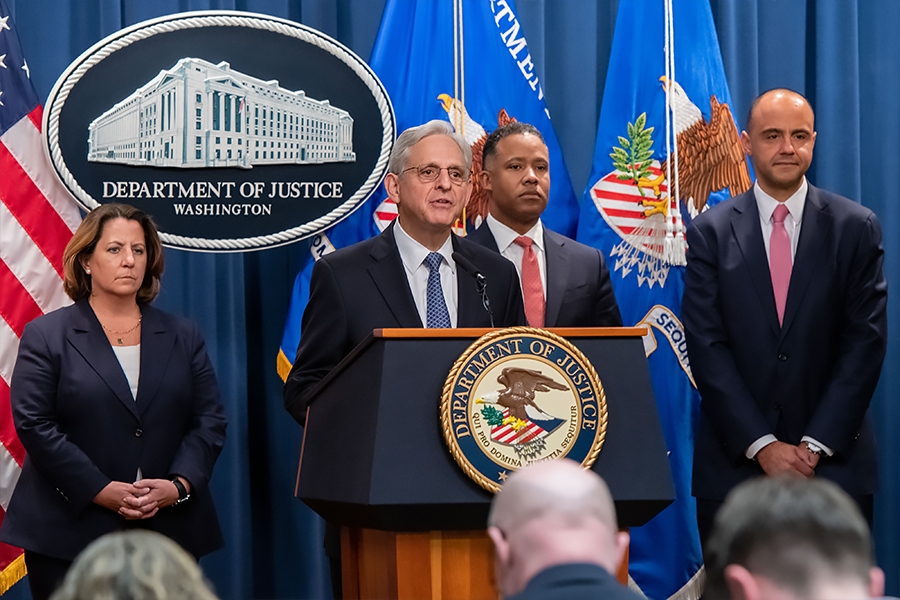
(484,236)
(156,349)
(390,278)
(558,266)
(814,230)
(470,311)
(86,335)
(748,234)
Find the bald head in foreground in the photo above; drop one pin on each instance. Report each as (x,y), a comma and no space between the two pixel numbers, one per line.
(555,535)
(790,539)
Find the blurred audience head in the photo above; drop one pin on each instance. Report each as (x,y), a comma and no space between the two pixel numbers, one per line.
(134,565)
(790,538)
(552,513)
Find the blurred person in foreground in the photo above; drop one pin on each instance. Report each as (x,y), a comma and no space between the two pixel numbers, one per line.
(788,538)
(555,535)
(117,406)
(137,565)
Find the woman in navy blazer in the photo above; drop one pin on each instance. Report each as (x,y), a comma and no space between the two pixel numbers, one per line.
(117,406)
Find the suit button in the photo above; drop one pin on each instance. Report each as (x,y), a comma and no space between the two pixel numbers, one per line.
(782,357)
(138,433)
(776,406)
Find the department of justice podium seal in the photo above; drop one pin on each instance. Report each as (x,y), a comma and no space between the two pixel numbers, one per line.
(518,396)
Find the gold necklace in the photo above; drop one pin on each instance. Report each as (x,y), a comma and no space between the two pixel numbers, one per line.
(120,333)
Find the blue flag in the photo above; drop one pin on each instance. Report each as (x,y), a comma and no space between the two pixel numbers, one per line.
(358,226)
(667,148)
(463,61)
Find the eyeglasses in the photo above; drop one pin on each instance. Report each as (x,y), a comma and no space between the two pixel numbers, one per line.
(430,173)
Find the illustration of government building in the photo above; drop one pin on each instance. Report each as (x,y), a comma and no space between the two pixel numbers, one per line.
(198,114)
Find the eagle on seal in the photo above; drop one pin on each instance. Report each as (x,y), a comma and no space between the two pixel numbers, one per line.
(521,384)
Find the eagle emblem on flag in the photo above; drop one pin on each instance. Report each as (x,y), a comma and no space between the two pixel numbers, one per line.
(642,199)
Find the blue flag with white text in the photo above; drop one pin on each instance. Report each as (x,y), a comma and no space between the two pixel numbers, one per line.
(463,61)
(667,148)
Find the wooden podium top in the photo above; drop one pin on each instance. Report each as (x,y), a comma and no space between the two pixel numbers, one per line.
(476,332)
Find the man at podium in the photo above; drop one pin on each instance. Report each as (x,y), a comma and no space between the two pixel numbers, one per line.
(417,273)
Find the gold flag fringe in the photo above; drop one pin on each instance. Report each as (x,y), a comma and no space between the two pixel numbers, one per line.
(284,365)
(12,574)
(692,590)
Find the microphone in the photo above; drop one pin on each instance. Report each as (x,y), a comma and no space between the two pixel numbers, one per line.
(480,281)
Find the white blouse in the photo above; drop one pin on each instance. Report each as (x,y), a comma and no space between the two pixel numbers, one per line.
(130,360)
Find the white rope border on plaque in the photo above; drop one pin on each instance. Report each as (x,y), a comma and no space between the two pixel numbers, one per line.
(228,19)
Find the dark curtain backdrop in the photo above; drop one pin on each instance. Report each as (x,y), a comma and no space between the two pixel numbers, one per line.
(842,54)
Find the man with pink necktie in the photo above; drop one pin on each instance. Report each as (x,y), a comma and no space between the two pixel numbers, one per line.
(564,283)
(784,313)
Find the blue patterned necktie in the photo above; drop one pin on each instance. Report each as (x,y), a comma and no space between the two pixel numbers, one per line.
(436,314)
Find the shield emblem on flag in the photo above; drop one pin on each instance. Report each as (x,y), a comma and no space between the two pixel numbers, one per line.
(511,434)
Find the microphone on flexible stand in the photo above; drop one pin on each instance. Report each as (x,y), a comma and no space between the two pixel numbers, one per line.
(480,281)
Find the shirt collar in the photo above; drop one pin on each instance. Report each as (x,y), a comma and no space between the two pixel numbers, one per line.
(767,203)
(413,254)
(506,236)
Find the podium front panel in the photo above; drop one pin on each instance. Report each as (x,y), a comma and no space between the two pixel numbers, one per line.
(374,455)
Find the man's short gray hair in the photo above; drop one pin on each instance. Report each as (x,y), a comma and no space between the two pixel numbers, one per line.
(414,135)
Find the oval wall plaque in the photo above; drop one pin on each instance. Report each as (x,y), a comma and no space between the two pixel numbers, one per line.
(236,131)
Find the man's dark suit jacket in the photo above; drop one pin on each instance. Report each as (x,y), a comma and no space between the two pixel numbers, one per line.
(364,287)
(579,291)
(579,581)
(82,428)
(815,374)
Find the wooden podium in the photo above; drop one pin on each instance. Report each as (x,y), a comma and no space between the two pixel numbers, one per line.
(412,523)
(434,564)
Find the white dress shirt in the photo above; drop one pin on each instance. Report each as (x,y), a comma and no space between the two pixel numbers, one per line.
(766,205)
(506,237)
(413,254)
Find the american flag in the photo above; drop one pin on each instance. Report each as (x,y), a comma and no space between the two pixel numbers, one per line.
(37,218)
